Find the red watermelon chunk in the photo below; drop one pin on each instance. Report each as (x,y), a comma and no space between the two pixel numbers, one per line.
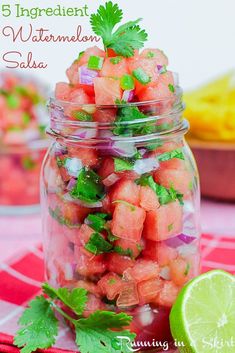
(173,163)
(164,223)
(156,55)
(180,179)
(126,190)
(93,51)
(143,270)
(114,70)
(148,199)
(126,244)
(62,91)
(168,294)
(110,285)
(84,234)
(93,304)
(148,65)
(159,90)
(107,90)
(88,156)
(90,287)
(128,221)
(180,271)
(166,254)
(105,115)
(87,264)
(118,263)
(148,290)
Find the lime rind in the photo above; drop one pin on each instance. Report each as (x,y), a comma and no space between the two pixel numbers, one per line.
(203,317)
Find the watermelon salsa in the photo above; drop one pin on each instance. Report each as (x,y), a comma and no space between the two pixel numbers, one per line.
(120,186)
(22,149)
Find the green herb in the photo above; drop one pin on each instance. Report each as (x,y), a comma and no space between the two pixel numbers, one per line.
(28,163)
(121,165)
(111,237)
(75,299)
(23,91)
(112,281)
(150,55)
(141,76)
(97,244)
(116,60)
(129,114)
(82,116)
(97,221)
(42,128)
(80,55)
(164,195)
(170,227)
(98,333)
(124,252)
(126,38)
(132,207)
(26,118)
(13,101)
(95,62)
(187,269)
(3,92)
(60,162)
(127,82)
(39,326)
(171,88)
(177,153)
(190,186)
(88,187)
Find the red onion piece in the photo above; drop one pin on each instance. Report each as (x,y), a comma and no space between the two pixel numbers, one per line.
(111,179)
(179,240)
(86,76)
(85,133)
(128,95)
(71,184)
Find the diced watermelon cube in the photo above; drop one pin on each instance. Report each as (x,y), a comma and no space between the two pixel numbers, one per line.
(111,285)
(156,55)
(92,51)
(166,255)
(118,263)
(114,70)
(88,156)
(126,190)
(148,199)
(107,90)
(180,179)
(126,244)
(168,294)
(128,296)
(143,270)
(87,264)
(62,91)
(106,167)
(89,286)
(93,304)
(173,163)
(159,90)
(83,235)
(105,115)
(128,221)
(74,213)
(164,223)
(148,65)
(180,271)
(79,96)
(148,290)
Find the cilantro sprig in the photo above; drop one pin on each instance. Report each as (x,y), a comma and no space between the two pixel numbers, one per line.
(123,40)
(165,195)
(98,333)
(166,156)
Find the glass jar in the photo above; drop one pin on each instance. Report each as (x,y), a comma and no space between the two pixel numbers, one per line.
(121,209)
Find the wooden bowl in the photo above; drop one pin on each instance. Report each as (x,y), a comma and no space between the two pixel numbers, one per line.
(216,165)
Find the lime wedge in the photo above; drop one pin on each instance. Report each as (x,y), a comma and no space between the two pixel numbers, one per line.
(203,317)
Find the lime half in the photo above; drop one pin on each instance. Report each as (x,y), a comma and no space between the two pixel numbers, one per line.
(203,318)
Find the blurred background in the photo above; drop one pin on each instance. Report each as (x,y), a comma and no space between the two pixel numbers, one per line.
(198,37)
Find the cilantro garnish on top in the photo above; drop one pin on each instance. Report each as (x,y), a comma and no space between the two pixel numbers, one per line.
(123,40)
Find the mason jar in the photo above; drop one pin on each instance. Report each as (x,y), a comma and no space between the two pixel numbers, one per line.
(120,197)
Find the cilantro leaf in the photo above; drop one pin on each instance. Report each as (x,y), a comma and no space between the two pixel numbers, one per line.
(75,299)
(103,22)
(97,244)
(126,38)
(177,153)
(94,334)
(164,194)
(129,114)
(88,187)
(125,252)
(121,165)
(97,221)
(39,326)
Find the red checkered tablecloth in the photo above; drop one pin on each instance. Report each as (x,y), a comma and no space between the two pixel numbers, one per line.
(21,275)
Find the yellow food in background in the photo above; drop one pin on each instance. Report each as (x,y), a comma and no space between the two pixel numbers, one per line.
(211,110)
